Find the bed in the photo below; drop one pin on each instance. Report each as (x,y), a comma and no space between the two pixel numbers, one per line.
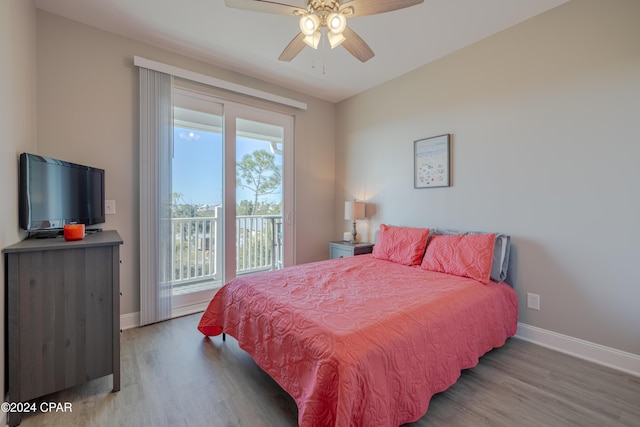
(368,340)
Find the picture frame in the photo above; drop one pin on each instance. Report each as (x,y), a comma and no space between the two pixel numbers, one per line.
(432,162)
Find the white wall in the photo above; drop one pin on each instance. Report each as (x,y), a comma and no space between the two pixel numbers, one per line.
(545,119)
(88,113)
(17,119)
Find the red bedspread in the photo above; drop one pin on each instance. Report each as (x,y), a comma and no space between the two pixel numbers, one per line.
(359,341)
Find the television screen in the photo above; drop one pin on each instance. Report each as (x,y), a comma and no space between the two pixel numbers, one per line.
(54,193)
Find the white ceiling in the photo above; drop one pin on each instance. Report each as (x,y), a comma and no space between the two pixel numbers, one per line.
(250,42)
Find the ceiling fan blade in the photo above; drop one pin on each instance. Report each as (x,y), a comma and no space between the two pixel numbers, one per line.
(266,7)
(294,47)
(356,46)
(372,7)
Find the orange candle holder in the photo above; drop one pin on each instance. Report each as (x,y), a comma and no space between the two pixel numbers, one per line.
(74,231)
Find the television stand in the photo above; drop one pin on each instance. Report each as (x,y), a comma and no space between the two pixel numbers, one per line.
(62,315)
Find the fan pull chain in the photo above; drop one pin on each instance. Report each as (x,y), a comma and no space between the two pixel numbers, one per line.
(324,48)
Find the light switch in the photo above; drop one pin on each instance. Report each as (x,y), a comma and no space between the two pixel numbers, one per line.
(110,207)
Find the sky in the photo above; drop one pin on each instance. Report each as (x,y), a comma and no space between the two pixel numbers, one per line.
(197,165)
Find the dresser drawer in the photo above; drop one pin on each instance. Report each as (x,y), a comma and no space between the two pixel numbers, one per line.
(340,252)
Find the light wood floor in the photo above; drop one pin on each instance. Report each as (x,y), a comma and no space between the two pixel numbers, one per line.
(173,376)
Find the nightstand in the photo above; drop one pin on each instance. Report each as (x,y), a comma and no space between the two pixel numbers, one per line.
(342,249)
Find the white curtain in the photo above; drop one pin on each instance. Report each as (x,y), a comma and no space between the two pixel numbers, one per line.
(156,153)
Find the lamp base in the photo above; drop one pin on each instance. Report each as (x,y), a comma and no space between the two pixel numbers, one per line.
(354,233)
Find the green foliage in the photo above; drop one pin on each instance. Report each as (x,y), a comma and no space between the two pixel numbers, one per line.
(258,173)
(246,207)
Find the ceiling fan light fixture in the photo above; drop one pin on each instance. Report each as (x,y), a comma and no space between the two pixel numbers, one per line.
(309,24)
(330,14)
(336,22)
(335,39)
(313,40)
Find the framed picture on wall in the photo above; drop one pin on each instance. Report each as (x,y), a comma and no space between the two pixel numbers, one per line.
(431,162)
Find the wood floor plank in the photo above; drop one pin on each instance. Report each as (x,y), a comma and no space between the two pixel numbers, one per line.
(173,376)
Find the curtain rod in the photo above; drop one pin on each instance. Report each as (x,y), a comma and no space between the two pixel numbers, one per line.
(219,83)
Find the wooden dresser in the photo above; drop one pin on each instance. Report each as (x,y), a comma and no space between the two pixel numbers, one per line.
(63,314)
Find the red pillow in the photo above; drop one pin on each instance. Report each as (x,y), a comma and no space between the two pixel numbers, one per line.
(403,245)
(468,255)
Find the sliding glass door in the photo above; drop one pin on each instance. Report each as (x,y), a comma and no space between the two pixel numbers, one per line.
(232,187)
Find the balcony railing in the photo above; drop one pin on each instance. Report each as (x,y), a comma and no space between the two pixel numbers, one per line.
(198,246)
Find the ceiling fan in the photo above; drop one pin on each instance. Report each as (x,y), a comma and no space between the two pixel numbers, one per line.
(328,16)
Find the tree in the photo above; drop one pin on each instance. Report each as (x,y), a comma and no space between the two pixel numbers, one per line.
(180,208)
(244,207)
(258,173)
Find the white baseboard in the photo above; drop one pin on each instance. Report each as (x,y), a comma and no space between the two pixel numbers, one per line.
(129,320)
(602,355)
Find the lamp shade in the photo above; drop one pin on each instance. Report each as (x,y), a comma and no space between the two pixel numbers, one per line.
(354,210)
(313,40)
(336,23)
(335,40)
(309,24)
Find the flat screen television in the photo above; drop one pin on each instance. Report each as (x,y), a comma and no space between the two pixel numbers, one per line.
(53,193)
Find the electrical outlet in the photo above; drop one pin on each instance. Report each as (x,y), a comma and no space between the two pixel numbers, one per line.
(110,207)
(533,301)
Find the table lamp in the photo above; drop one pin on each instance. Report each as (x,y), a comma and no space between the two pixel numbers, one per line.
(354,211)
